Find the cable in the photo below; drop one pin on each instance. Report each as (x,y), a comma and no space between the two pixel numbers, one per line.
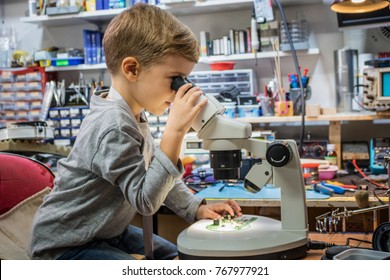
(318,245)
(366,178)
(296,63)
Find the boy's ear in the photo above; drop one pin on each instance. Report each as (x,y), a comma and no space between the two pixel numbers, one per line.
(130,68)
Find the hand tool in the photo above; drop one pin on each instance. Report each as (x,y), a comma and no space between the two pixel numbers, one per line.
(322,189)
(336,189)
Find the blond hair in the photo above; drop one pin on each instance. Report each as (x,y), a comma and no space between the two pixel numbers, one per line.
(149,34)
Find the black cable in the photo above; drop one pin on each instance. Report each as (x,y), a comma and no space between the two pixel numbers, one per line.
(318,245)
(2,13)
(296,63)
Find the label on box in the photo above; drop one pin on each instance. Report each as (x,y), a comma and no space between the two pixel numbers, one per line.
(64,113)
(85,112)
(22,113)
(8,86)
(53,113)
(35,95)
(21,78)
(65,132)
(75,131)
(21,95)
(33,76)
(65,123)
(74,112)
(76,122)
(19,85)
(6,75)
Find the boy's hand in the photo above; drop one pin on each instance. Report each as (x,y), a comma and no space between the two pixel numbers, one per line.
(217,210)
(185,108)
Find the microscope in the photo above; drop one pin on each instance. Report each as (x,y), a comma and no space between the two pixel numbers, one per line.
(264,238)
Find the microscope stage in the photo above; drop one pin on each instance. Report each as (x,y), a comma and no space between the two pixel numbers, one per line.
(246,237)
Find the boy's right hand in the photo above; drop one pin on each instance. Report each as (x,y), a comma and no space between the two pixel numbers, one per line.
(184,110)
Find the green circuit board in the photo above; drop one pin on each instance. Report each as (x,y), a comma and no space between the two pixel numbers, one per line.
(229,223)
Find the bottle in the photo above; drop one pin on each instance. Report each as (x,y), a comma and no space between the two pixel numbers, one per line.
(331,155)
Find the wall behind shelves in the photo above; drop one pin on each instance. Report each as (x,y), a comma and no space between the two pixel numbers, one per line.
(324,34)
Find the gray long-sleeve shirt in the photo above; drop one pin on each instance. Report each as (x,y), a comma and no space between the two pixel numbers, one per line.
(104,182)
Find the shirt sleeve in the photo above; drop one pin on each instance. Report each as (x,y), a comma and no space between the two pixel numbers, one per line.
(119,160)
(181,201)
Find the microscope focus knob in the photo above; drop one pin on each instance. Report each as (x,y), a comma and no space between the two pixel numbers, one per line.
(279,154)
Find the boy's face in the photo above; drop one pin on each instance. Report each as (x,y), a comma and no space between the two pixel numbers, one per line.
(154,91)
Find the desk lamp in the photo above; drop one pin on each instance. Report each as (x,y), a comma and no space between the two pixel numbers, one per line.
(358,6)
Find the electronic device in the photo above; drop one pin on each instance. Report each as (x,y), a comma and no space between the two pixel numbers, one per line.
(280,165)
(314,149)
(358,151)
(355,151)
(27,130)
(364,20)
(379,149)
(377,89)
(263,10)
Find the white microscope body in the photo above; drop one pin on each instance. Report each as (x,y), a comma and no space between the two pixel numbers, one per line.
(281,166)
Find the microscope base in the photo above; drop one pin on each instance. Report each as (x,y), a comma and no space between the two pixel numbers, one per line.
(292,254)
(262,239)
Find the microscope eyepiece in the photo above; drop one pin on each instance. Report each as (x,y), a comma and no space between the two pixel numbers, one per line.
(179,81)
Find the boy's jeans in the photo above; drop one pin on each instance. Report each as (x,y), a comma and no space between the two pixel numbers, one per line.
(131,241)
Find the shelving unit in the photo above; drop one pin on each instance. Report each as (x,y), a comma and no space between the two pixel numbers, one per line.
(178,9)
(207,59)
(252,56)
(81,67)
(335,124)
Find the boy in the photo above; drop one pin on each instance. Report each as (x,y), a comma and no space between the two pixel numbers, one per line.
(113,170)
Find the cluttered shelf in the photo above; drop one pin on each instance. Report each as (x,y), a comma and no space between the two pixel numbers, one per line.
(335,123)
(101,16)
(205,59)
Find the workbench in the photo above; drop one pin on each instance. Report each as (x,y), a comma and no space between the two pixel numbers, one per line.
(271,207)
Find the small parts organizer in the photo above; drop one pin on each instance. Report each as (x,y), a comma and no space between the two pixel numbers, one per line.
(21,94)
(66,122)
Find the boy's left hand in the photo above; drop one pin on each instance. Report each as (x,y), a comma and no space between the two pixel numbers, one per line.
(217,210)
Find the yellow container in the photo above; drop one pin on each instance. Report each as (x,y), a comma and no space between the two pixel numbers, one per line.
(284,108)
(45,63)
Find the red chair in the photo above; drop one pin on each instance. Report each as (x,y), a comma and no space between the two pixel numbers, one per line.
(20,178)
(24,182)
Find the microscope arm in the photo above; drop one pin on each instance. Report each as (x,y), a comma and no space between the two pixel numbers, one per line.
(283,168)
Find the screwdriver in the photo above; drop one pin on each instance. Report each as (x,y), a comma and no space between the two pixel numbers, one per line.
(322,189)
(336,189)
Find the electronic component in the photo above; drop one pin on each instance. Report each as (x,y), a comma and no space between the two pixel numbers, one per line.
(314,149)
(379,149)
(377,89)
(27,130)
(263,10)
(229,223)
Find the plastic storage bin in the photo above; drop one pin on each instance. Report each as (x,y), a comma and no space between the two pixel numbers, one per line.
(67,61)
(362,254)
(248,111)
